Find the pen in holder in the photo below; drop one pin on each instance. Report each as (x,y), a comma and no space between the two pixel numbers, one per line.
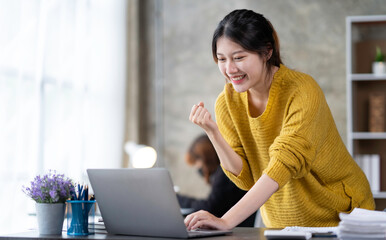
(81,213)
(80,217)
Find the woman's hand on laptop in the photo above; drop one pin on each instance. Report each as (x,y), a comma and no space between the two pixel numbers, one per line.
(203,219)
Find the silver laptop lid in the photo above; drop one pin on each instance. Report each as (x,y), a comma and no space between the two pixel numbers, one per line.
(138,202)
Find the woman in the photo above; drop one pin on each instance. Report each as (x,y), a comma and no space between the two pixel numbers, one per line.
(224,194)
(275,135)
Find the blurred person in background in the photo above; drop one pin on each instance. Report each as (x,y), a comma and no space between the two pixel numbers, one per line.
(224,193)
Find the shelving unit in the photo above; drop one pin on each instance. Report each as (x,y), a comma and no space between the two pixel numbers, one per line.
(363,34)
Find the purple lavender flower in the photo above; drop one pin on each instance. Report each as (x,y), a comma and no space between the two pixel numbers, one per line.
(50,188)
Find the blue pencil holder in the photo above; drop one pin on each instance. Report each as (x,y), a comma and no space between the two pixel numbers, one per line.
(80,217)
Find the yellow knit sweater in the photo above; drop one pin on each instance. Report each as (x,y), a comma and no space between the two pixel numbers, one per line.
(296,143)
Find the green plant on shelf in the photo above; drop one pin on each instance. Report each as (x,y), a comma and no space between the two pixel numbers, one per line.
(379,57)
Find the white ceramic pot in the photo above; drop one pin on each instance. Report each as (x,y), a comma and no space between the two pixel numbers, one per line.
(379,68)
(50,218)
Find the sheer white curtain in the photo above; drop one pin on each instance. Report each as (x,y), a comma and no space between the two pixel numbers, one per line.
(62,94)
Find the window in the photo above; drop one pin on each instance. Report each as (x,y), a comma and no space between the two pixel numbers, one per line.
(62,94)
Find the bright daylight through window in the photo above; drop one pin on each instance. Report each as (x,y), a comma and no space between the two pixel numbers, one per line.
(62,82)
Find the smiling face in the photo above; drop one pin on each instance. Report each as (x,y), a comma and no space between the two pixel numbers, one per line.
(244,69)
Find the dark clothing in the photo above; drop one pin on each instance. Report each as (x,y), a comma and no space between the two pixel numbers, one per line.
(224,195)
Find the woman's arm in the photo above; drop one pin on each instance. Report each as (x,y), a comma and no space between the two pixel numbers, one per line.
(229,159)
(253,200)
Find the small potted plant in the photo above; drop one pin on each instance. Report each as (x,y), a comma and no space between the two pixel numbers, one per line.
(50,193)
(379,66)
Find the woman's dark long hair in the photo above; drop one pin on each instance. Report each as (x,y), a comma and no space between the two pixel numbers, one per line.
(203,150)
(253,32)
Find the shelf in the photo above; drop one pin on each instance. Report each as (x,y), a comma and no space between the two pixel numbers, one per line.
(379,195)
(367,77)
(363,35)
(366,19)
(369,135)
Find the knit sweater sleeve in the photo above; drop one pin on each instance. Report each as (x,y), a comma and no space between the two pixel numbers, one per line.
(304,129)
(227,128)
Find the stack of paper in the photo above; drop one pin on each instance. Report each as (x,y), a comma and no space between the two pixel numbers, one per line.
(362,224)
(99,226)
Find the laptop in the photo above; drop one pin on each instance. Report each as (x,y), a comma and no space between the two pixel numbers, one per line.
(141,202)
